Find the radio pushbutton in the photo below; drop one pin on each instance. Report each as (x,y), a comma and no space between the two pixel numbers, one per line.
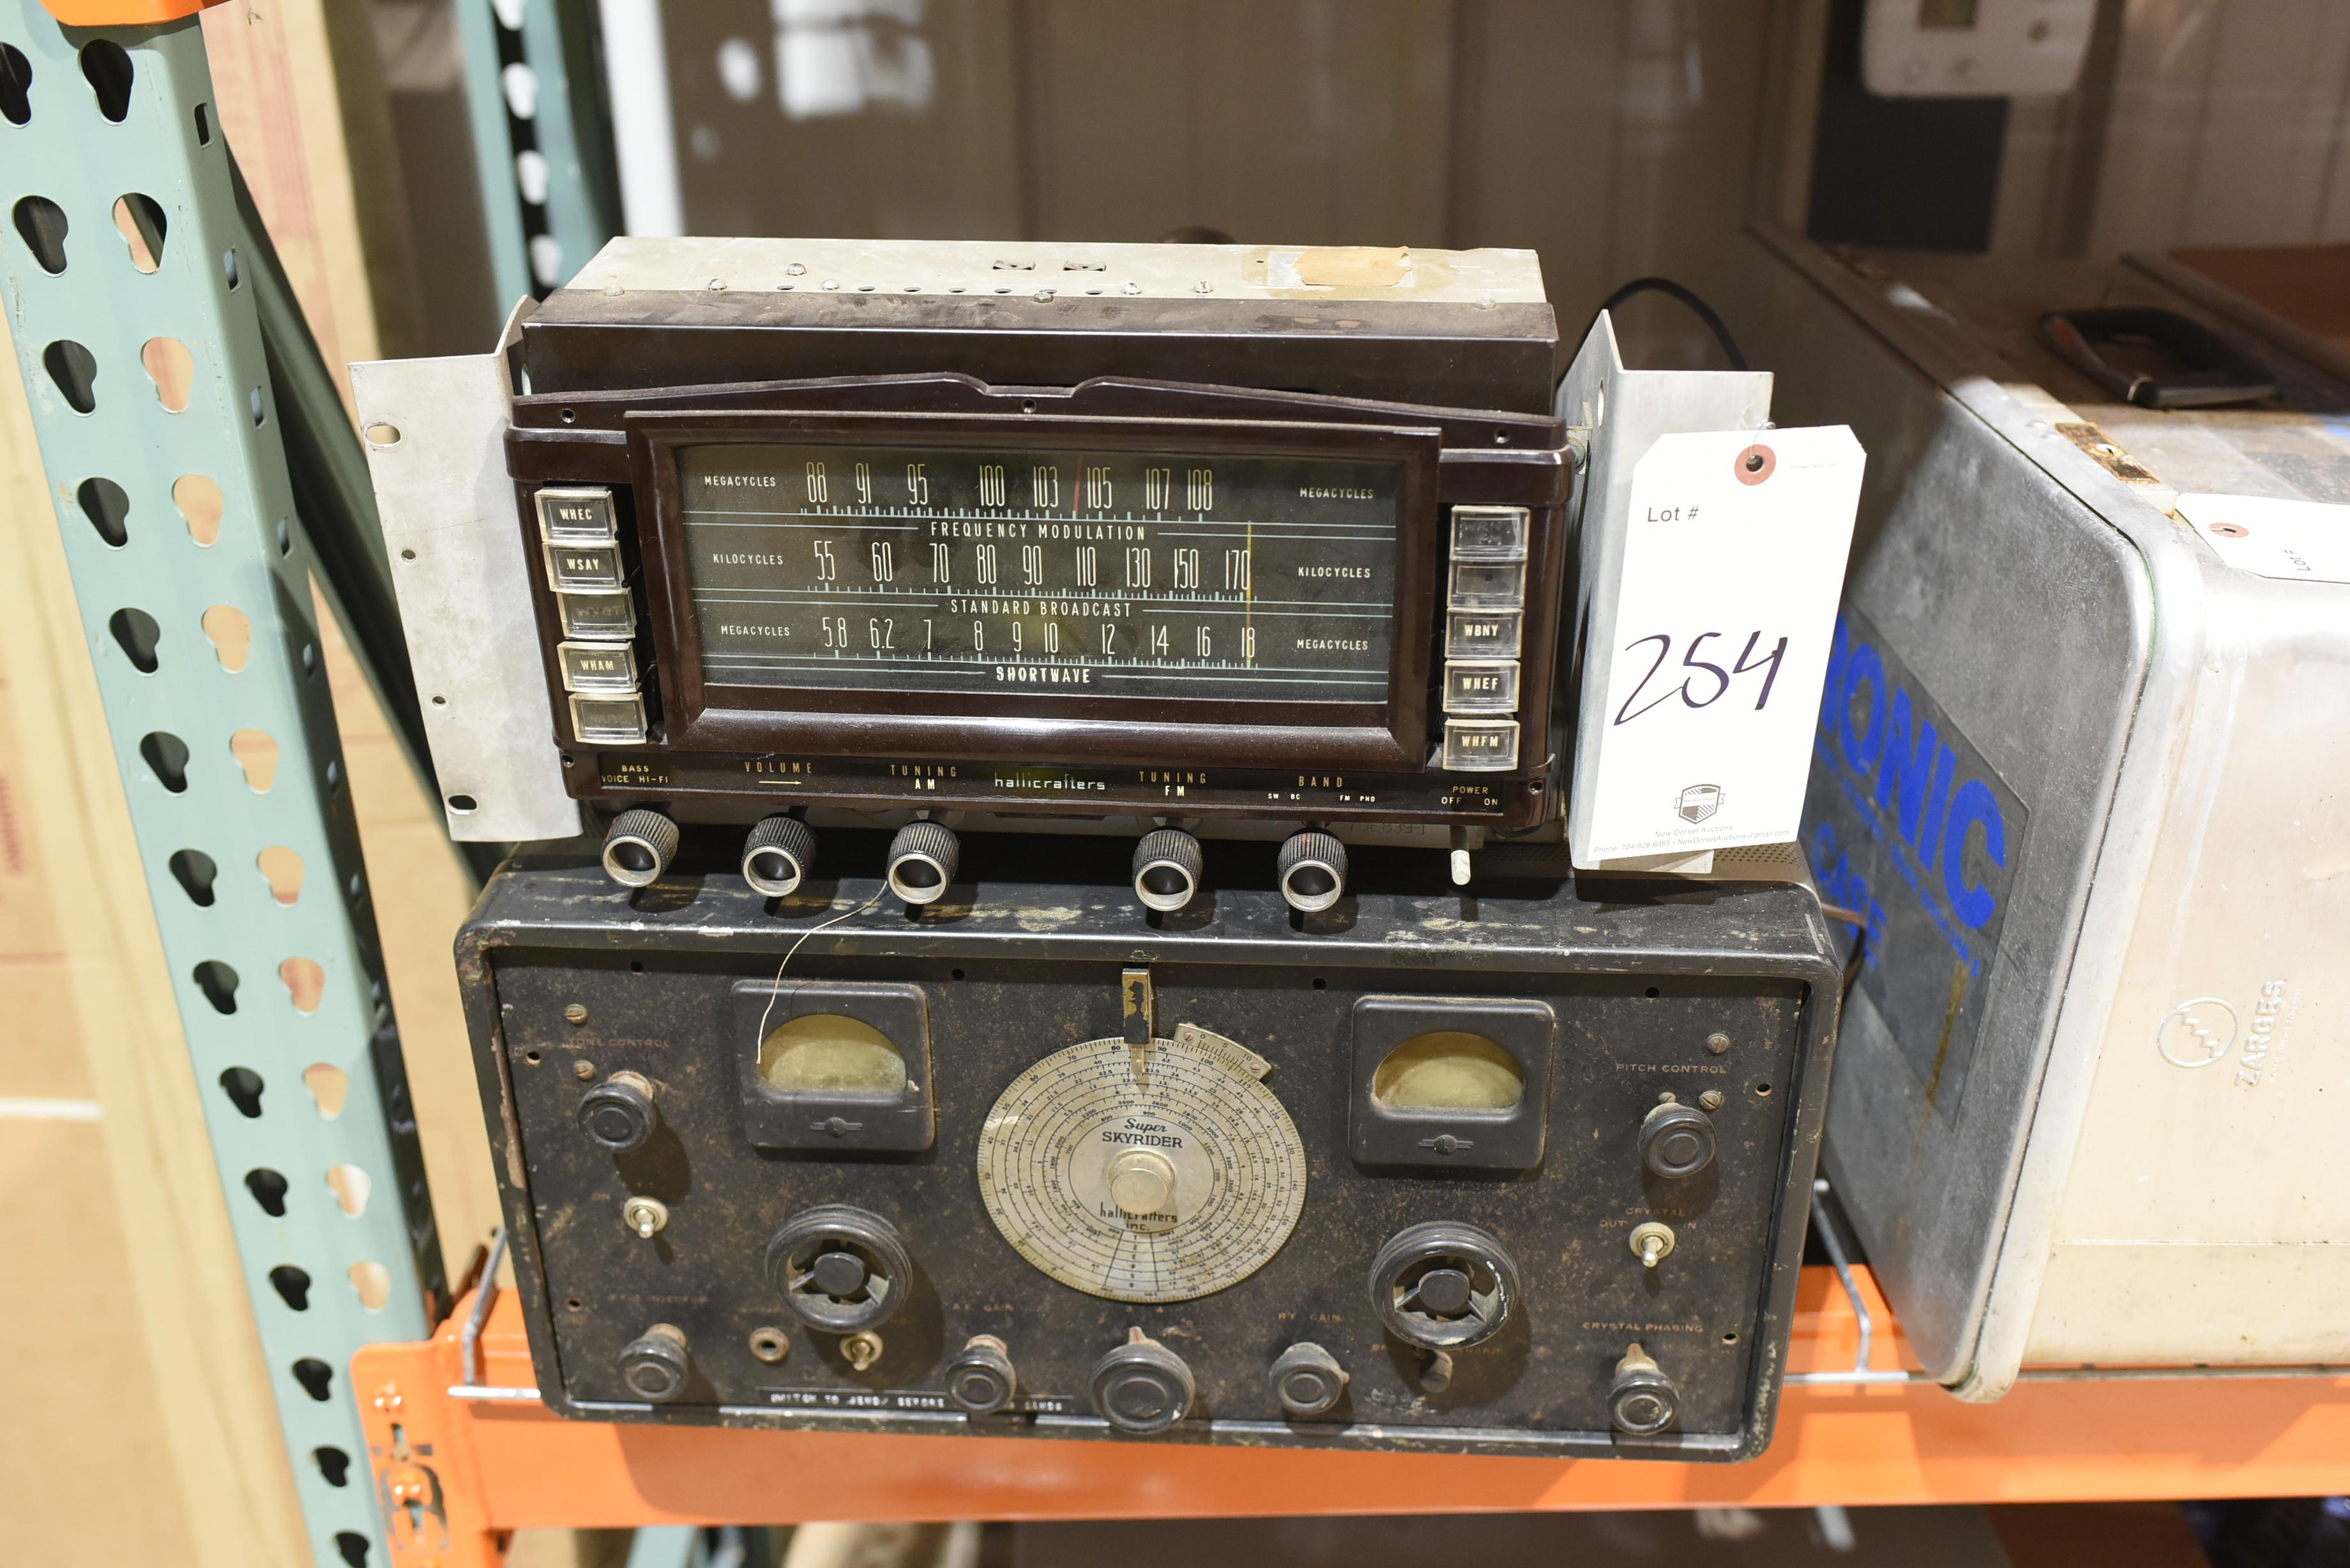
(597,615)
(576,515)
(608,721)
(1488,584)
(1493,635)
(583,566)
(1481,745)
(1489,533)
(1480,686)
(597,666)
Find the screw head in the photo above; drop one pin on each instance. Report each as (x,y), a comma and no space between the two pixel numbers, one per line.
(583,1070)
(576,1013)
(1712,1099)
(1717,1043)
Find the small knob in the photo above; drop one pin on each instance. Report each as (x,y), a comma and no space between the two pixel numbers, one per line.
(638,847)
(776,854)
(1443,1285)
(654,1365)
(1676,1141)
(979,1379)
(840,1269)
(1142,1386)
(923,859)
(1167,866)
(1641,1401)
(1312,871)
(619,1114)
(1308,1380)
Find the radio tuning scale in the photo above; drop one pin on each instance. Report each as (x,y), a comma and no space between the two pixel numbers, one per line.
(1144,1173)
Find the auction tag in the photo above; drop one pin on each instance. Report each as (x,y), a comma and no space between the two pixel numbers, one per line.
(2299,541)
(1733,566)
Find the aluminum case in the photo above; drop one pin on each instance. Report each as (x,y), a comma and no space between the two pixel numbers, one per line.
(2087,1107)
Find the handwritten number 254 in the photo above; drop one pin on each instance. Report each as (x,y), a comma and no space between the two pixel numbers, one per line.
(1713,679)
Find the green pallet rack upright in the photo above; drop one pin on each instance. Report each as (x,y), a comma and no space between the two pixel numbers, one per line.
(136,332)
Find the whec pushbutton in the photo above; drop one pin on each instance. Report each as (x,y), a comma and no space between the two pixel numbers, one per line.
(576,515)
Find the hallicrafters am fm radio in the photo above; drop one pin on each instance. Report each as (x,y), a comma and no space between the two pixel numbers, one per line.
(1162,540)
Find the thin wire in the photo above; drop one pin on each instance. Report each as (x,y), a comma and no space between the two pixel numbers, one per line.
(1688,296)
(777,984)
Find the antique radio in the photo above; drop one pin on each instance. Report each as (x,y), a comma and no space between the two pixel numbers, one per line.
(1162,541)
(1519,1172)
(2079,769)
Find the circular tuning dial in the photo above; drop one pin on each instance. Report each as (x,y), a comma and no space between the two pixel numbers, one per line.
(1144,1173)
(840,1269)
(619,1114)
(1676,1141)
(1142,1386)
(1443,1285)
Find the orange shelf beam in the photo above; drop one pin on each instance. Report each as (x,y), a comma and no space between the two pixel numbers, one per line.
(454,1474)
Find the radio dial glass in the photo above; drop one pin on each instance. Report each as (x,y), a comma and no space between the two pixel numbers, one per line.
(1098,574)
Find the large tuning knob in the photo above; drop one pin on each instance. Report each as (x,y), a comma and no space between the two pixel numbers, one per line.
(1676,1141)
(1142,1386)
(840,1269)
(1443,1285)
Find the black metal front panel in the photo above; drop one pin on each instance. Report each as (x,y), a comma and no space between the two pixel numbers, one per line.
(1643,990)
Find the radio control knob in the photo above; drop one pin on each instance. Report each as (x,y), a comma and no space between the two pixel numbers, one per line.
(1641,1400)
(1142,1386)
(779,853)
(654,1364)
(638,847)
(1676,1141)
(1166,867)
(840,1269)
(619,1114)
(1312,871)
(1443,1285)
(979,1379)
(922,860)
(1308,1380)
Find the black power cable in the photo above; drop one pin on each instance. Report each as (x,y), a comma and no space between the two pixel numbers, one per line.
(1688,296)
